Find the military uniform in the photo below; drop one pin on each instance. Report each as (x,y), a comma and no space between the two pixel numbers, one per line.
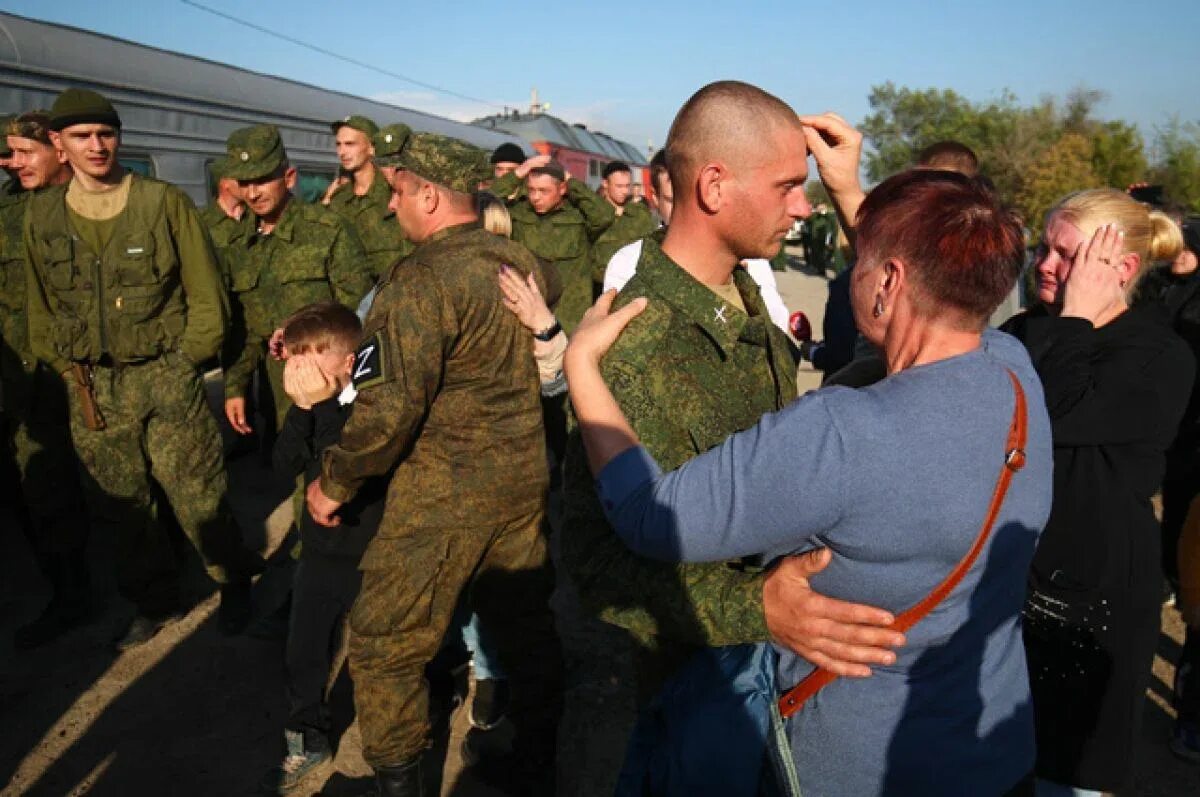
(448,403)
(38,438)
(688,372)
(311,255)
(138,298)
(376,226)
(564,236)
(632,224)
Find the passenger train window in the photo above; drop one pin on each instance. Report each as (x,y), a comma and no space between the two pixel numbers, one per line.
(311,185)
(138,164)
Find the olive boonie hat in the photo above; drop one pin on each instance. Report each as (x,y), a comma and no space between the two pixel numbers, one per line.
(360,123)
(81,107)
(443,160)
(254,152)
(388,142)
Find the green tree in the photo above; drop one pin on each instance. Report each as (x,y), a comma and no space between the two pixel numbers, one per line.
(1063,167)
(1177,165)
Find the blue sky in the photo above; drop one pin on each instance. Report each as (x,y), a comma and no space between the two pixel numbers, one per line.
(626,69)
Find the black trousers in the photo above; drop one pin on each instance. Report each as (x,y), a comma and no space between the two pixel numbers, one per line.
(1187,679)
(323,591)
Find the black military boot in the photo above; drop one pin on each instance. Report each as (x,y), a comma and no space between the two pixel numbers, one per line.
(402,780)
(233,615)
(68,606)
(142,630)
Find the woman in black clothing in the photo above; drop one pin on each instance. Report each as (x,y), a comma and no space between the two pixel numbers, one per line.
(1116,382)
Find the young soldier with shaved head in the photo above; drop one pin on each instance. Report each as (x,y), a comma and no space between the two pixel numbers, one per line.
(701,362)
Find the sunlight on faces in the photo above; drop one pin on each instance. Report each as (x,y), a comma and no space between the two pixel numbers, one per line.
(664,197)
(91,149)
(545,192)
(410,203)
(1060,241)
(618,187)
(36,164)
(764,188)
(354,148)
(266,196)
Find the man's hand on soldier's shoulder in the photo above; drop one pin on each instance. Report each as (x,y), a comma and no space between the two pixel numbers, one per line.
(322,508)
(844,638)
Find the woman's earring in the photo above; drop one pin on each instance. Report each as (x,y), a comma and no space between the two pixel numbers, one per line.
(878,311)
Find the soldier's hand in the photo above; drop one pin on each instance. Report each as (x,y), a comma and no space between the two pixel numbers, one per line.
(844,638)
(322,508)
(536,162)
(235,411)
(837,149)
(599,329)
(275,345)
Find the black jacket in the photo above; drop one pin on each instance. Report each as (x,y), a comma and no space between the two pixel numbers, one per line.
(304,436)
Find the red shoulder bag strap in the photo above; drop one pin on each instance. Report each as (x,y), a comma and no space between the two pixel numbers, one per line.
(1014,460)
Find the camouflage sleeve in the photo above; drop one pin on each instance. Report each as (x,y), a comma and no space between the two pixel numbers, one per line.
(397,370)
(207,301)
(598,215)
(38,308)
(242,358)
(700,604)
(504,187)
(349,269)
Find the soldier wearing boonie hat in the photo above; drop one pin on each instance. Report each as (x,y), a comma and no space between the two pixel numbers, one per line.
(449,411)
(128,304)
(362,198)
(294,254)
(388,142)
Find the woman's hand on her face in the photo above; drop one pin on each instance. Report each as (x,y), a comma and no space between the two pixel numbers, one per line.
(1095,288)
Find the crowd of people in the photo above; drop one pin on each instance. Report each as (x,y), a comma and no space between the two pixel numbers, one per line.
(939,574)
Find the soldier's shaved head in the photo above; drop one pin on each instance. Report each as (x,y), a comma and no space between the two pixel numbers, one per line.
(726,121)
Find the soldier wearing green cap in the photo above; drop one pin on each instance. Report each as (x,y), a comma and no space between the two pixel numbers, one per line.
(387,144)
(35,404)
(295,254)
(448,404)
(363,200)
(559,218)
(125,301)
(225,216)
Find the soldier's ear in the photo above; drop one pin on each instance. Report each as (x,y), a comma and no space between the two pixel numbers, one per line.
(289,177)
(431,197)
(709,184)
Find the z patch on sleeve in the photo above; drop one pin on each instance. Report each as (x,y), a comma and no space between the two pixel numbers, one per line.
(370,363)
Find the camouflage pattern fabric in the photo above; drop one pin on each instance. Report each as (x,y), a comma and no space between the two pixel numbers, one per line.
(311,255)
(634,223)
(448,404)
(411,587)
(375,225)
(158,422)
(443,160)
(563,236)
(388,142)
(253,152)
(688,372)
(35,404)
(224,231)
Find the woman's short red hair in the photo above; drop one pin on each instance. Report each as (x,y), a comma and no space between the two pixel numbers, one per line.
(963,249)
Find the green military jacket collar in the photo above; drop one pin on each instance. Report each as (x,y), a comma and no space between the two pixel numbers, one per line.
(378,195)
(284,229)
(723,323)
(446,232)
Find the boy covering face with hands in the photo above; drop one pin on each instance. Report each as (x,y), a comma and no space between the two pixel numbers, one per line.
(318,345)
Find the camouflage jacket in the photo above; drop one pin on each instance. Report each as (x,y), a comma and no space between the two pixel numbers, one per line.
(311,255)
(448,394)
(224,231)
(688,372)
(156,286)
(564,236)
(376,226)
(634,222)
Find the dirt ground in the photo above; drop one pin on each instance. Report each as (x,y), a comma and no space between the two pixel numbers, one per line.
(197,713)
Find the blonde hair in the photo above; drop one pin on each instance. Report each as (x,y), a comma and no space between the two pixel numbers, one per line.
(493,214)
(1150,234)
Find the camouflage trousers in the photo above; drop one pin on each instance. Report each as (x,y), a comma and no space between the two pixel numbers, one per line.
(411,587)
(39,440)
(159,428)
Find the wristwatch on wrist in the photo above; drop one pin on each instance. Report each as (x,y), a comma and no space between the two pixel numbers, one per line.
(547,334)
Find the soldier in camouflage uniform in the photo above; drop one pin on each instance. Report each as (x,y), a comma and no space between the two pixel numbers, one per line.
(633,220)
(363,201)
(448,398)
(297,254)
(12,186)
(35,404)
(558,218)
(125,300)
(703,361)
(225,216)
